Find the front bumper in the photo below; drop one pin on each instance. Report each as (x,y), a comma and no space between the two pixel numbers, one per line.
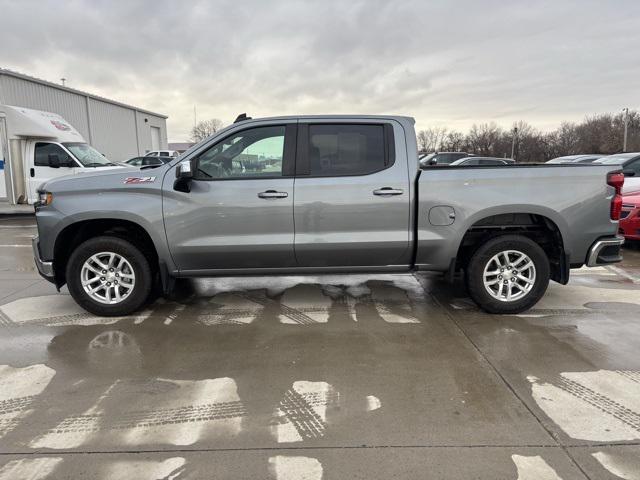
(604,251)
(44,268)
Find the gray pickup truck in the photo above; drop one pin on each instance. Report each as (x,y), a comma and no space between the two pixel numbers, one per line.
(323,194)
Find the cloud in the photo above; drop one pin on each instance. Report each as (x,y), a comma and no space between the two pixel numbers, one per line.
(444,63)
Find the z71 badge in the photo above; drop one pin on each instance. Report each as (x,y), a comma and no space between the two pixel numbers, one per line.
(139,180)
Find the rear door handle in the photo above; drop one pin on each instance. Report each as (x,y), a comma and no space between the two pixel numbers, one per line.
(388,192)
(273,194)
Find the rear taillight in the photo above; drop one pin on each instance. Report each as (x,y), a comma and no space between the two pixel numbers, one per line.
(616,180)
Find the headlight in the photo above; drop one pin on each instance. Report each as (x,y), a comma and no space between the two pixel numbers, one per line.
(44,199)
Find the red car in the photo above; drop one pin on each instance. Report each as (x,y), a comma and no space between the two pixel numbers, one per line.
(630,216)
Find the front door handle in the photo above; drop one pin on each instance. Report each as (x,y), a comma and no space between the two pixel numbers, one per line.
(388,192)
(273,194)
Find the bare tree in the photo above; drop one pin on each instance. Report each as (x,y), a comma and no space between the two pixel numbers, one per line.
(205,128)
(430,140)
(453,142)
(602,133)
(564,140)
(483,138)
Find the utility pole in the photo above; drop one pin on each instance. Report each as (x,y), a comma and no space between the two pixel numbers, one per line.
(625,119)
(513,142)
(195,119)
(63,80)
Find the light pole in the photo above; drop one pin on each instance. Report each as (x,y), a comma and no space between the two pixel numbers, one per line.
(513,142)
(625,118)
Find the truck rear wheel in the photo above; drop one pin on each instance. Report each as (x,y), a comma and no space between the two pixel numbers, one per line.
(109,276)
(508,274)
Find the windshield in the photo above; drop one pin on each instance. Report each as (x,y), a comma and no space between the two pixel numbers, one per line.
(87,155)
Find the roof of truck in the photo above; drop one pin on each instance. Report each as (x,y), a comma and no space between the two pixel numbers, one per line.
(333,116)
(27,122)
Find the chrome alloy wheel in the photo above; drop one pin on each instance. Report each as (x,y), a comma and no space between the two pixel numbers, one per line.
(107,278)
(509,275)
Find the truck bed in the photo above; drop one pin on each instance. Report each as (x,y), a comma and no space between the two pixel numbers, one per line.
(575,198)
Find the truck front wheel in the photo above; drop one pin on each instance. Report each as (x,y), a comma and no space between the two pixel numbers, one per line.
(109,276)
(508,274)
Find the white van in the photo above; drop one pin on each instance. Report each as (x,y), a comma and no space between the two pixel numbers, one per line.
(36,146)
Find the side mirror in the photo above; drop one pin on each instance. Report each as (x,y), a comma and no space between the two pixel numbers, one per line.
(184,170)
(184,175)
(629,172)
(54,161)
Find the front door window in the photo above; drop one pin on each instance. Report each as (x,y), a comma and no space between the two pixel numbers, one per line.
(252,153)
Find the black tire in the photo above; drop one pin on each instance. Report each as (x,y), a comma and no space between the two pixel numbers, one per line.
(138,261)
(475,274)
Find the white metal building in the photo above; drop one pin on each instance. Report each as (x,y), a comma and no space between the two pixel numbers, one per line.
(117,130)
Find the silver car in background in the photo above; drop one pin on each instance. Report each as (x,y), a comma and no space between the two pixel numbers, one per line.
(582,158)
(483,161)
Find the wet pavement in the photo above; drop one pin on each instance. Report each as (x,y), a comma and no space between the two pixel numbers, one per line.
(388,376)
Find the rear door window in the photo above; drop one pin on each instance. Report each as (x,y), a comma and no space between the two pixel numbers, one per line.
(346,149)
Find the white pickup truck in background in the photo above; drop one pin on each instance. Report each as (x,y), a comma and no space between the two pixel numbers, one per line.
(37,146)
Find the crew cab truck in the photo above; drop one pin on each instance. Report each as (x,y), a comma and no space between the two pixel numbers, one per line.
(323,194)
(36,146)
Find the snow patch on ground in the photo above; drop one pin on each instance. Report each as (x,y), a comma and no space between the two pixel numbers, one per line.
(534,468)
(29,468)
(600,406)
(168,469)
(171,412)
(18,389)
(373,403)
(295,468)
(302,413)
(627,467)
(57,310)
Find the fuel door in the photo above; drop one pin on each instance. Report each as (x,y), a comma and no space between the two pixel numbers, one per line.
(442,215)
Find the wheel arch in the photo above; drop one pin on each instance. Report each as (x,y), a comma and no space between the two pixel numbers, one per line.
(543,227)
(79,231)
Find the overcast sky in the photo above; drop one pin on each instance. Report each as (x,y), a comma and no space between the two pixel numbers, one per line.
(445,63)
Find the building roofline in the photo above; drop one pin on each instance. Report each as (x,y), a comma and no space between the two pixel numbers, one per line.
(22,76)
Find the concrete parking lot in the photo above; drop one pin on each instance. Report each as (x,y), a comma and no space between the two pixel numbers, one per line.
(389,376)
